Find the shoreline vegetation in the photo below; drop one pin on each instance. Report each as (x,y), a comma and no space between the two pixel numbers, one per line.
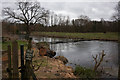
(108,36)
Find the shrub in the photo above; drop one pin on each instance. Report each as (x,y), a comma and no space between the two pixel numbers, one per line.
(83,72)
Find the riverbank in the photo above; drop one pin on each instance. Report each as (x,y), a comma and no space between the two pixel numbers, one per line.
(109,36)
(44,67)
(52,68)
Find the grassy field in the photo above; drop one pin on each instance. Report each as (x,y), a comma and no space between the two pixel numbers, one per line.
(5,44)
(99,36)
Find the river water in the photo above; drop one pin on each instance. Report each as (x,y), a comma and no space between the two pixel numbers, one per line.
(80,53)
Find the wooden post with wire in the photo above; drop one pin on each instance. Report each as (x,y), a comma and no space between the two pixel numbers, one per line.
(29,73)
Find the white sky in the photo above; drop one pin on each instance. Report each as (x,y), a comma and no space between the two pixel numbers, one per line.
(94,9)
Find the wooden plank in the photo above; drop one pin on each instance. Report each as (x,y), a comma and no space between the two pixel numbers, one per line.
(15,59)
(22,61)
(9,62)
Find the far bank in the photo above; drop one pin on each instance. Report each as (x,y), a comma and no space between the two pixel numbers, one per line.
(108,36)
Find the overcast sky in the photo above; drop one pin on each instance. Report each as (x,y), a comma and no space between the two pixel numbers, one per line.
(94,9)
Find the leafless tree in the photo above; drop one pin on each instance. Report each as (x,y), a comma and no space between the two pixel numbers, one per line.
(29,13)
(83,20)
(55,19)
(52,18)
(98,59)
(59,19)
(68,21)
(63,21)
(116,16)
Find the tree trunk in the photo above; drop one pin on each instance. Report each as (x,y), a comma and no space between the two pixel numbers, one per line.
(27,32)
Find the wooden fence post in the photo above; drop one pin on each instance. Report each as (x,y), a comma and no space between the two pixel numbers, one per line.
(29,72)
(28,62)
(15,59)
(9,62)
(22,61)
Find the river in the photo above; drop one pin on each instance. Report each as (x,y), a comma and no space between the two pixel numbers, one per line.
(80,53)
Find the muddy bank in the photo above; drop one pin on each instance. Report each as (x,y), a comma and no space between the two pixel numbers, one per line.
(52,68)
(46,67)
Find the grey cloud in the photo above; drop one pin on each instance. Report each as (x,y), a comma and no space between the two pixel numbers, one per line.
(95,10)
(63,0)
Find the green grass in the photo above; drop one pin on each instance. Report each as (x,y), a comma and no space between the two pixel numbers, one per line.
(83,72)
(5,44)
(108,35)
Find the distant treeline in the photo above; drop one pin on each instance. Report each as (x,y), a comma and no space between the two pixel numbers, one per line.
(92,26)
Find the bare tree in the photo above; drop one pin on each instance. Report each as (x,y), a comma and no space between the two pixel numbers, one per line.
(63,21)
(116,16)
(59,19)
(73,22)
(83,20)
(29,13)
(98,60)
(52,19)
(68,21)
(47,20)
(55,19)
